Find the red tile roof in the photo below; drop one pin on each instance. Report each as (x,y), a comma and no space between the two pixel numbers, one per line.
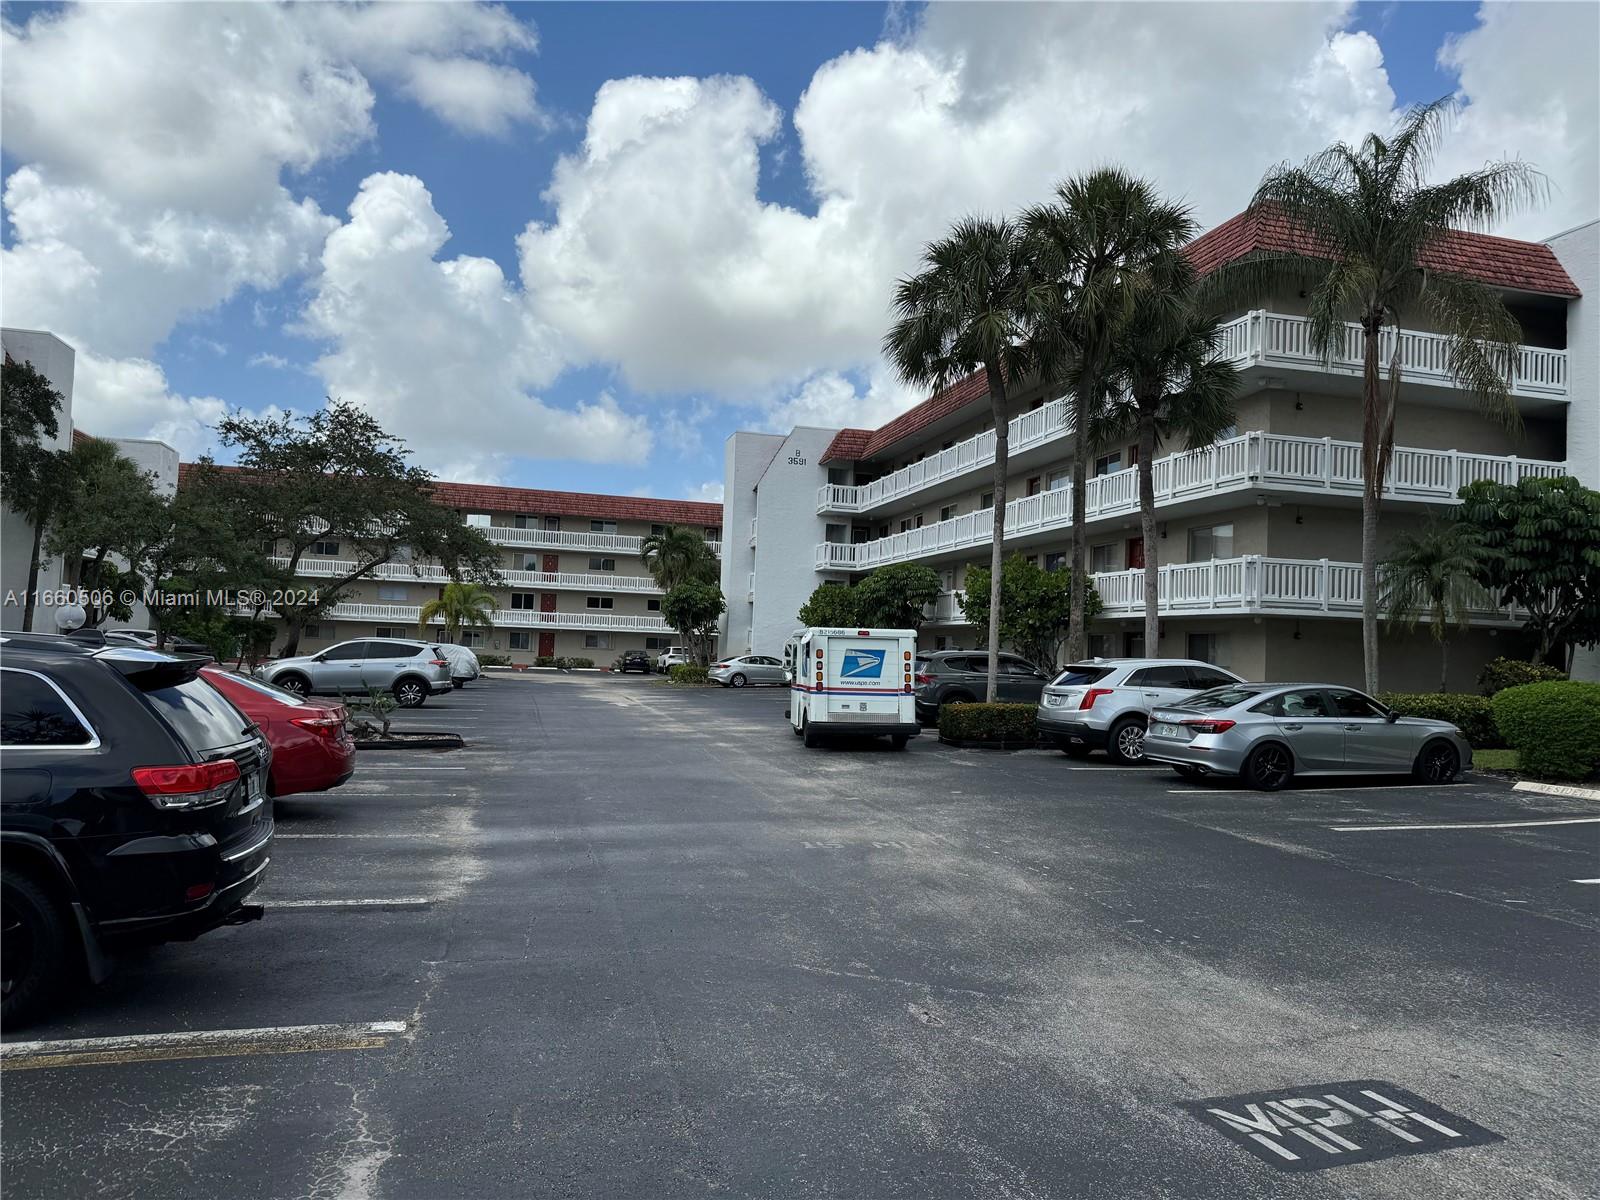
(474,497)
(79,437)
(847,445)
(1499,262)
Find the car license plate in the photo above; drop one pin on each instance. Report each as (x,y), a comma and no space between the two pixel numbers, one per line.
(255,789)
(1164,730)
(1054,701)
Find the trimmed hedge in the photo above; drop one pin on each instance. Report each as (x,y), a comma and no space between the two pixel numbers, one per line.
(1470,714)
(1011,724)
(1554,727)
(494,660)
(1500,673)
(689,675)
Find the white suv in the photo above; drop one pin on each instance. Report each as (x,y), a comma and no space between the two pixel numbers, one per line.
(1104,704)
(675,656)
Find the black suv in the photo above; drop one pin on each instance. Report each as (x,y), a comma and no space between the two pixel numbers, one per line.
(962,676)
(635,660)
(133,808)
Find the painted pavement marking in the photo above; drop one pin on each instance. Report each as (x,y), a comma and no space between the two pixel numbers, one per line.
(1469,825)
(324,837)
(1557,789)
(204,1043)
(1326,1125)
(395,902)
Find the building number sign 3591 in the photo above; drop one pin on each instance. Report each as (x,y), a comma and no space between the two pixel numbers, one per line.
(1330,1124)
(796,461)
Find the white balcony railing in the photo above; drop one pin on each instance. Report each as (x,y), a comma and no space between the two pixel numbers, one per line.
(1257,338)
(335,568)
(1249,462)
(507,618)
(1247,585)
(560,539)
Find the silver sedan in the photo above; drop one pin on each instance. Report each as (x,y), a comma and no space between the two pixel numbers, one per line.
(747,668)
(1267,733)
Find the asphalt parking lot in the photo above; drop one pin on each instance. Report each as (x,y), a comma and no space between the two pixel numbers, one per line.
(639,942)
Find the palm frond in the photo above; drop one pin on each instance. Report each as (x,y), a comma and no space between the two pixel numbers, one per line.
(1484,342)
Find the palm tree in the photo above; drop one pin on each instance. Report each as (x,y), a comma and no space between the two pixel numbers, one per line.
(1106,241)
(459,605)
(972,308)
(1169,386)
(676,555)
(1366,220)
(1432,576)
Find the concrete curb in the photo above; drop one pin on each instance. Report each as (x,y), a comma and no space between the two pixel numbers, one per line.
(1559,789)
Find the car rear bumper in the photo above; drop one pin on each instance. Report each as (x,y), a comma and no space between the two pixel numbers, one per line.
(440,685)
(168,865)
(1215,759)
(1068,731)
(316,768)
(884,728)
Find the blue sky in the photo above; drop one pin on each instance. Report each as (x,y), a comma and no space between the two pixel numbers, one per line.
(249,345)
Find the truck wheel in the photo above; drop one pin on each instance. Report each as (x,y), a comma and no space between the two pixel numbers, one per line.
(1126,743)
(899,740)
(810,735)
(33,949)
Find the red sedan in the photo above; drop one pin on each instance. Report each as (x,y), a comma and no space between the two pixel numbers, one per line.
(311,751)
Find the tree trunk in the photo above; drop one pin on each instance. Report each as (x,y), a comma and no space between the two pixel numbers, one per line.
(33,574)
(1147,531)
(997,401)
(1371,498)
(293,623)
(1444,664)
(1076,639)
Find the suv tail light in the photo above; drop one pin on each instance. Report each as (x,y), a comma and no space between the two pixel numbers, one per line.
(188,786)
(440,662)
(1209,726)
(327,726)
(1093,694)
(924,678)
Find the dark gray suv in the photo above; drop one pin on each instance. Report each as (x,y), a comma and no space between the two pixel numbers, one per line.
(962,676)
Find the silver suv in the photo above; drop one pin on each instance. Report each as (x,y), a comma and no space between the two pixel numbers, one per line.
(1105,703)
(412,671)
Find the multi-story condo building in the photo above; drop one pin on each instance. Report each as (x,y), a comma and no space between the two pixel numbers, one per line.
(1259,533)
(574,583)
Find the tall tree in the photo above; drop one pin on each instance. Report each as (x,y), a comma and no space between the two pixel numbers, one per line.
(972,307)
(831,606)
(105,513)
(33,477)
(1107,241)
(334,475)
(200,549)
(1168,387)
(692,609)
(1366,218)
(893,597)
(1432,576)
(678,555)
(459,606)
(1035,606)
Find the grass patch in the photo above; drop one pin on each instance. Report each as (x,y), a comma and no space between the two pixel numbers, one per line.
(1494,760)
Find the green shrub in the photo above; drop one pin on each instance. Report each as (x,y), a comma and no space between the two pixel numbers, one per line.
(1470,714)
(1554,727)
(689,675)
(545,660)
(1008,723)
(494,660)
(576,663)
(1500,673)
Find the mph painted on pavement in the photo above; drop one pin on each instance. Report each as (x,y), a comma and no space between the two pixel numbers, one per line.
(1329,1124)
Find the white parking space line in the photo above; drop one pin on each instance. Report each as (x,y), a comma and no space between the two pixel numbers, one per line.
(1586,881)
(393,902)
(1468,825)
(360,836)
(203,1043)
(387,767)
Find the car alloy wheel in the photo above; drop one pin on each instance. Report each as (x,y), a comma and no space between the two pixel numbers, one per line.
(737,680)
(1269,767)
(1127,742)
(1439,763)
(409,694)
(34,957)
(294,683)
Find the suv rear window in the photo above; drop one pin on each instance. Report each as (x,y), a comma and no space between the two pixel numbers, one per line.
(200,715)
(1081,673)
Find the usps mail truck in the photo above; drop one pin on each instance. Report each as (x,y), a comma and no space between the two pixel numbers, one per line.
(852,682)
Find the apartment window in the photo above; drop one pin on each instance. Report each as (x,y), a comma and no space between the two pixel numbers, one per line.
(1099,645)
(986,501)
(657,643)
(530,562)
(947,513)
(657,530)
(1210,541)
(602,564)
(392,593)
(1057,480)
(528,601)
(325,549)
(883,531)
(1056,561)
(552,524)
(919,521)
(1133,645)
(602,526)
(598,601)
(653,604)
(388,631)
(1035,485)
(940,642)
(520,639)
(478,520)
(905,524)
(521,521)
(597,641)
(471,637)
(1203,646)
(1108,463)
(269,546)
(1103,557)
(839,476)
(1033,560)
(714,533)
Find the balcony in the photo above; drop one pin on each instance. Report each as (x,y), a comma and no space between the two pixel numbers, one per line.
(335,568)
(506,618)
(1258,338)
(1252,585)
(558,539)
(1250,462)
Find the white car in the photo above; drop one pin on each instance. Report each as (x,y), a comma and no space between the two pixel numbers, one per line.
(463,664)
(675,656)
